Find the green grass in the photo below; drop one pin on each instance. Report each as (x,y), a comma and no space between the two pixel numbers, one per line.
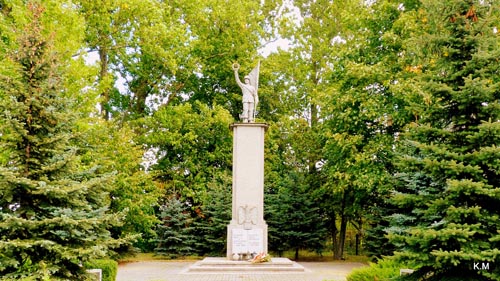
(153,257)
(324,257)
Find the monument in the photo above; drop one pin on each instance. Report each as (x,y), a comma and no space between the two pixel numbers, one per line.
(247,230)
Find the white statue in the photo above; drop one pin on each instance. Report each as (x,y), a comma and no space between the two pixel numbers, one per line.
(249,90)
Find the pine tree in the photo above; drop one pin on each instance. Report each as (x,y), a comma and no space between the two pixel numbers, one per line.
(53,217)
(448,185)
(174,231)
(212,217)
(294,218)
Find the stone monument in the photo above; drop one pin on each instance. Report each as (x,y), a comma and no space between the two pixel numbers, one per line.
(247,231)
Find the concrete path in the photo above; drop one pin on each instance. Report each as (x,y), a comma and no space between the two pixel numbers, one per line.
(176,271)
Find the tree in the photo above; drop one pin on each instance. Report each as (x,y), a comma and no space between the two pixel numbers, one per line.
(291,206)
(363,115)
(142,46)
(294,218)
(447,186)
(113,146)
(174,232)
(53,214)
(302,72)
(192,146)
(212,217)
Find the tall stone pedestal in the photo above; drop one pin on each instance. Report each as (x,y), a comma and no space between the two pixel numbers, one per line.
(247,231)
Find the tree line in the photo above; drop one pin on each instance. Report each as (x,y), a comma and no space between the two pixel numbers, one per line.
(384,119)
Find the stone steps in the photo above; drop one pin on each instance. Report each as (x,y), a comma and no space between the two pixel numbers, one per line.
(213,265)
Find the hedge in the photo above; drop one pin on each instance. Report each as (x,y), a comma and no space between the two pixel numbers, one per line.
(109,268)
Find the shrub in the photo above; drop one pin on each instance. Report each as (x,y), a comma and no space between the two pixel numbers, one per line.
(385,269)
(109,268)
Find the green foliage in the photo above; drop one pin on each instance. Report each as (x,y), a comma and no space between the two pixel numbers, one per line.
(221,33)
(175,235)
(447,189)
(109,268)
(53,212)
(114,148)
(294,218)
(192,148)
(211,220)
(387,269)
(191,145)
(291,206)
(382,114)
(200,229)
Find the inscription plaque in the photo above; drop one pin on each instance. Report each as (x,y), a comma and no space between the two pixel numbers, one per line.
(248,241)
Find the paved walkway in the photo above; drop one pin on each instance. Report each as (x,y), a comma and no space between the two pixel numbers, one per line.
(176,271)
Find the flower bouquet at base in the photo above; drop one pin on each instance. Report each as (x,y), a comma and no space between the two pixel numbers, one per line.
(260,258)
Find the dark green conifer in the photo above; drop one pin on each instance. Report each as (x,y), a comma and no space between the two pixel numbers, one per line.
(173,232)
(293,218)
(448,185)
(53,217)
(212,218)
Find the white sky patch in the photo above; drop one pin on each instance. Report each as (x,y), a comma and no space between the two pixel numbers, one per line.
(338,40)
(91,58)
(273,47)
(290,11)
(150,157)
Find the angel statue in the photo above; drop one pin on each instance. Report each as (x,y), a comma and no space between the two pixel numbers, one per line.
(249,90)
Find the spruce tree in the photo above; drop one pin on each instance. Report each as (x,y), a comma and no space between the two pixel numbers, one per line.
(293,218)
(173,232)
(212,217)
(448,184)
(53,217)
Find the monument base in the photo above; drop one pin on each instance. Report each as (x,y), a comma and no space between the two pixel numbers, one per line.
(219,265)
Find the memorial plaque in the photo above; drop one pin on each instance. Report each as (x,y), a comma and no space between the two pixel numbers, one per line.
(255,240)
(247,241)
(239,241)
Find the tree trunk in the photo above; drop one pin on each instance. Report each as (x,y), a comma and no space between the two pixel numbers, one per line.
(357,244)
(359,232)
(140,89)
(339,253)
(296,254)
(103,56)
(333,230)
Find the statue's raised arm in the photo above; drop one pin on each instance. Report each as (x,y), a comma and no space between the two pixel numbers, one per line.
(249,90)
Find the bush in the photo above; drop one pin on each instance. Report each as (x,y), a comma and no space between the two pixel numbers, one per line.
(386,269)
(109,268)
